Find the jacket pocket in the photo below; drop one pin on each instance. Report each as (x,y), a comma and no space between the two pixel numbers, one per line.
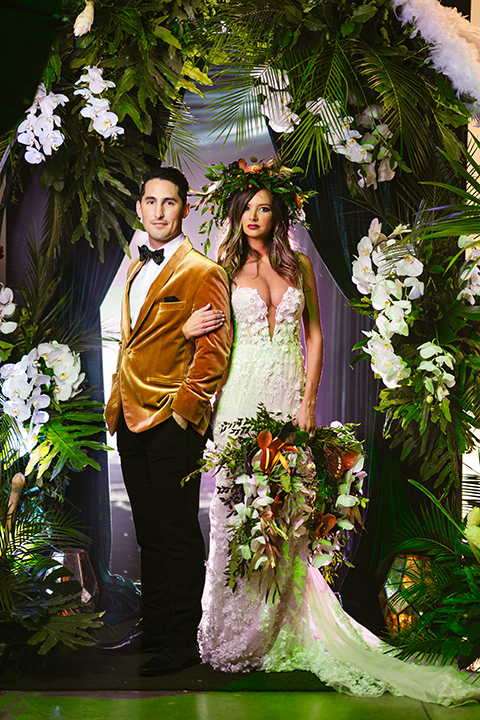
(171,306)
(165,380)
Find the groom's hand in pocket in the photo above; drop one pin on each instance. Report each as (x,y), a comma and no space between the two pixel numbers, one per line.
(180,420)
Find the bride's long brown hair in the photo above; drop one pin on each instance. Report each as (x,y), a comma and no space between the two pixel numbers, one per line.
(234,250)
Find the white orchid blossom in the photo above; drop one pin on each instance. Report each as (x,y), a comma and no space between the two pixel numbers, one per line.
(429,349)
(86,93)
(7,309)
(38,132)
(276,79)
(384,292)
(396,314)
(368,175)
(368,117)
(29,389)
(386,171)
(375,230)
(105,123)
(93,77)
(51,140)
(470,276)
(17,409)
(409,265)
(417,287)
(365,246)
(363,275)
(95,107)
(353,151)
(17,386)
(392,295)
(34,156)
(275,107)
(242,511)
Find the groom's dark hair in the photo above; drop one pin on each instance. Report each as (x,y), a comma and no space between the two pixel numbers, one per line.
(172,174)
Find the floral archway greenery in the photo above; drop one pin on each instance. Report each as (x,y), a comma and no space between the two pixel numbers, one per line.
(356,79)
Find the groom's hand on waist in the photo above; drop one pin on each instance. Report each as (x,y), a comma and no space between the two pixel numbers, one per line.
(183,422)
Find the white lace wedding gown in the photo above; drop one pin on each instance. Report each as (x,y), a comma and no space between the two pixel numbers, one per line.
(306,629)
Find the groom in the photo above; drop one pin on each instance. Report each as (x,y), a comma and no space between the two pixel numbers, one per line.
(160,410)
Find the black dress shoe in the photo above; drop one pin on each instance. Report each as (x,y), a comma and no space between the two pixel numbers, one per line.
(135,642)
(170,659)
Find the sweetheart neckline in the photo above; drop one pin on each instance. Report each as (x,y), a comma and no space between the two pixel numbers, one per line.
(255,290)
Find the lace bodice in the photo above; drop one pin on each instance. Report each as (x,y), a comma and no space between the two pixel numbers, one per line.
(251,317)
(264,370)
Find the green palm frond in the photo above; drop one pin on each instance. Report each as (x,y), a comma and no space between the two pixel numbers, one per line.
(9,444)
(462,215)
(182,144)
(42,312)
(64,442)
(38,605)
(444,590)
(403,95)
(234,109)
(326,75)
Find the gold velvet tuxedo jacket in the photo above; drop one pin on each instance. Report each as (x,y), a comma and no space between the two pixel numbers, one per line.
(158,369)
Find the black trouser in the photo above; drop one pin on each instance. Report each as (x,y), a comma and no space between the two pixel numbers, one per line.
(166,522)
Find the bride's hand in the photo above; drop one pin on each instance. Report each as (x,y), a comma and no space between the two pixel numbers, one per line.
(305,418)
(203,321)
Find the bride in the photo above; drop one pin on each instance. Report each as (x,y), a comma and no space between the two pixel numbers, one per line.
(273,294)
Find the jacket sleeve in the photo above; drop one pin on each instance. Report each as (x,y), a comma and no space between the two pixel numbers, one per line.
(211,352)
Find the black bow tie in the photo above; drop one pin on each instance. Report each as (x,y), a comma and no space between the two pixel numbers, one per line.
(146,254)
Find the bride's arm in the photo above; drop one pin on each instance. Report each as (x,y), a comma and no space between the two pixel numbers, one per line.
(203,321)
(305,417)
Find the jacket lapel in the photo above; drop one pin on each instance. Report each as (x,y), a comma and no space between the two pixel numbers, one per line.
(156,286)
(133,270)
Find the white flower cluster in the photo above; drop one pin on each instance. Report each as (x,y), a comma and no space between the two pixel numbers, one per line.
(104,121)
(434,362)
(257,502)
(50,370)
(7,308)
(391,297)
(470,277)
(365,149)
(273,84)
(40,130)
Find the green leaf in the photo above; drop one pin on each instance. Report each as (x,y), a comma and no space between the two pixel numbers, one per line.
(164,34)
(347,28)
(195,73)
(364,13)
(293,14)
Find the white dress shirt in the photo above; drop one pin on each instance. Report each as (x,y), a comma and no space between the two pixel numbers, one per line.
(146,275)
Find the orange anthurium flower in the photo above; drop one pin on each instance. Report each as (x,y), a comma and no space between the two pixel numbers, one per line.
(271,451)
(339,462)
(324,524)
(250,168)
(354,516)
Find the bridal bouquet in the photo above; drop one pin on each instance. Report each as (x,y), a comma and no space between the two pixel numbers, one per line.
(280,484)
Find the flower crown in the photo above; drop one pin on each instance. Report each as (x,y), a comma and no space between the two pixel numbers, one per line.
(271,175)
